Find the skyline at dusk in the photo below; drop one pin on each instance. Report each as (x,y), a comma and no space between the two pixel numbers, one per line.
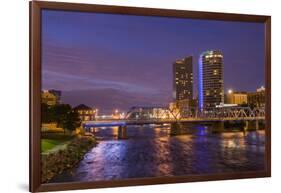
(113,61)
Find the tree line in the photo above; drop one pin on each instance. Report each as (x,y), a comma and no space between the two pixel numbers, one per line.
(62,114)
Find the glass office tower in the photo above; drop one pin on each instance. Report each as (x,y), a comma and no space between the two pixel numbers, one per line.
(211,91)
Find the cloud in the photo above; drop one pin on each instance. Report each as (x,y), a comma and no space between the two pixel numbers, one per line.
(106,100)
(58,80)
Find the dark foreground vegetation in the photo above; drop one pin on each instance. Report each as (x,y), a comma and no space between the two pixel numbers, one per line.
(56,162)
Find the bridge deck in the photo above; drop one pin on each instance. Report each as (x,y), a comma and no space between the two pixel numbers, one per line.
(124,122)
(104,124)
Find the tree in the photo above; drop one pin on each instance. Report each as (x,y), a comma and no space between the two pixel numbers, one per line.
(72,121)
(62,114)
(47,115)
(66,117)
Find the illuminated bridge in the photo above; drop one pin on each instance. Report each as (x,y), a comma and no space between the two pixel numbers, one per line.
(165,115)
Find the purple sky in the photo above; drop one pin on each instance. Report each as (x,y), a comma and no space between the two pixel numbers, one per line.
(117,61)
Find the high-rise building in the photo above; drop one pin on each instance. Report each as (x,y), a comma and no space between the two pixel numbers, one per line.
(211,92)
(183,79)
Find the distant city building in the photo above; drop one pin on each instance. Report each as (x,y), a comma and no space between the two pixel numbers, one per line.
(261,89)
(238,98)
(50,97)
(175,110)
(257,99)
(185,107)
(148,112)
(211,91)
(85,113)
(57,93)
(183,79)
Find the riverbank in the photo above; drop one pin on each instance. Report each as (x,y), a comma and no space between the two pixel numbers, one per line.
(50,141)
(56,162)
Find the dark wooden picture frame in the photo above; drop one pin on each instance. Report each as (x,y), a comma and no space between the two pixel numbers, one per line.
(35,90)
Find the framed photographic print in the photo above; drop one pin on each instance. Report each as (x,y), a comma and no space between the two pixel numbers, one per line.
(123,96)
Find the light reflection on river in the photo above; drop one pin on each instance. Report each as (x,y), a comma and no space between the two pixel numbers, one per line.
(151,152)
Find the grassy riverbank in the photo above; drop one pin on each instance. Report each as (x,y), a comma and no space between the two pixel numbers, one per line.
(51,141)
(55,162)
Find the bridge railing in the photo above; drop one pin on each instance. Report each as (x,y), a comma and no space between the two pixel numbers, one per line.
(214,113)
(169,115)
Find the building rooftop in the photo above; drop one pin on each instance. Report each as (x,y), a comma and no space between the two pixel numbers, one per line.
(216,53)
(82,107)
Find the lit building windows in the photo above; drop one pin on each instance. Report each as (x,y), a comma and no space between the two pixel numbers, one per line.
(210,79)
(215,72)
(86,113)
(183,76)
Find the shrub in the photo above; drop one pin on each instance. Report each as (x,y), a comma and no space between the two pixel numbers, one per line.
(55,163)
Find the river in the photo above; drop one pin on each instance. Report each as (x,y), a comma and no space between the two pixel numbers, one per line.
(149,151)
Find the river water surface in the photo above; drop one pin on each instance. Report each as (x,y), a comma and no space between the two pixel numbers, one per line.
(151,152)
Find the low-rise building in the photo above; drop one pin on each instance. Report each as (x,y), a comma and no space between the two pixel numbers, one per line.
(237,98)
(85,113)
(57,93)
(50,97)
(148,112)
(257,99)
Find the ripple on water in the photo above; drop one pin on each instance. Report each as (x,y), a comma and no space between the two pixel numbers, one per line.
(150,152)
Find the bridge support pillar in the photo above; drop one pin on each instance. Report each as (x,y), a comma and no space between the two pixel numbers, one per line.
(251,125)
(257,124)
(176,129)
(218,126)
(246,126)
(122,132)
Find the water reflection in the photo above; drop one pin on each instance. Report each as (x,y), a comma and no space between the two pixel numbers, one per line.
(150,152)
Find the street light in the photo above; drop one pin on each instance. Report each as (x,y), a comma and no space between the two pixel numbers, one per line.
(230,91)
